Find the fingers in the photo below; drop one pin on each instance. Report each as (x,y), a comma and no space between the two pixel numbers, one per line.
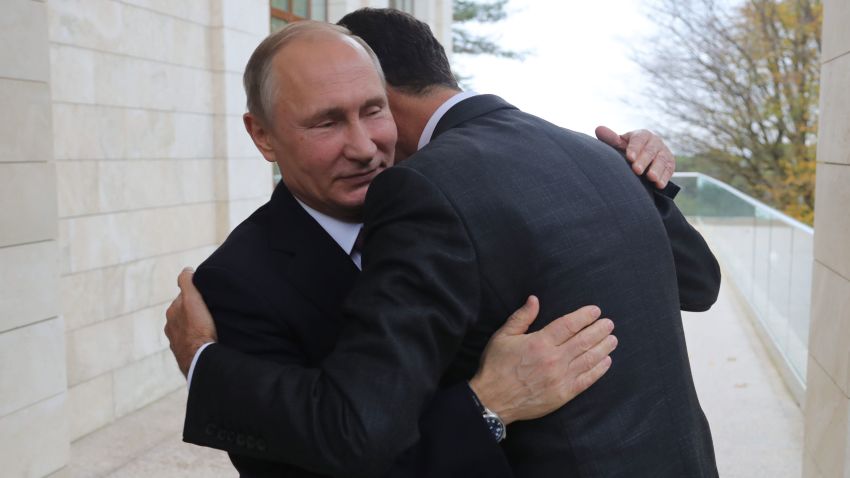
(522,318)
(648,153)
(171,315)
(645,150)
(662,167)
(184,279)
(608,136)
(191,294)
(641,150)
(585,345)
(586,379)
(176,304)
(565,327)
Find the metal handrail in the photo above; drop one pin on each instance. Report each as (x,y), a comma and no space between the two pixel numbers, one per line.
(753,270)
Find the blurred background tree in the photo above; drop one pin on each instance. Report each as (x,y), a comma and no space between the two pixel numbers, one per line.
(737,84)
(467,13)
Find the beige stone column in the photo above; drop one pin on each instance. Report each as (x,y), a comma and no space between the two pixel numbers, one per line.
(153,169)
(33,421)
(827,428)
(243,180)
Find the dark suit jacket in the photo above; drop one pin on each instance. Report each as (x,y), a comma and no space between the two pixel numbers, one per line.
(275,288)
(500,205)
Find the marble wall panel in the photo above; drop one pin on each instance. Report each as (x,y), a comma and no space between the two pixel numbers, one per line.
(99,348)
(118,27)
(110,239)
(832,221)
(836,35)
(197,11)
(28,281)
(32,365)
(249,16)
(106,132)
(25,132)
(24,25)
(143,381)
(833,127)
(95,295)
(826,425)
(28,196)
(34,440)
(90,406)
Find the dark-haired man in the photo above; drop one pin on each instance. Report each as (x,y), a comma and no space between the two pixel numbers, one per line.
(501,205)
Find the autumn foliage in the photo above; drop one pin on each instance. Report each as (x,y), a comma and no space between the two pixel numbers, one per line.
(737,84)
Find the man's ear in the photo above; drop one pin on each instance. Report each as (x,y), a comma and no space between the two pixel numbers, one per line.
(261,136)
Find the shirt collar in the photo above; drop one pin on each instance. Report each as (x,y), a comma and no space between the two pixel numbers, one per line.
(343,233)
(431,125)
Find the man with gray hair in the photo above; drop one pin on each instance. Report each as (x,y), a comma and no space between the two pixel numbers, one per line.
(351,405)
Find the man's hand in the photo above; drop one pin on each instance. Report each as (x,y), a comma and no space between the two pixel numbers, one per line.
(189,324)
(525,376)
(645,150)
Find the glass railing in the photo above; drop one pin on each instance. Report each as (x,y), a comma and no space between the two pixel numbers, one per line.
(765,254)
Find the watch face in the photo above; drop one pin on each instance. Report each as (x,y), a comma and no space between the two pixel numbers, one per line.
(496,427)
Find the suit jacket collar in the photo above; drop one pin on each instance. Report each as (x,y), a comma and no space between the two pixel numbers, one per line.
(313,262)
(468,109)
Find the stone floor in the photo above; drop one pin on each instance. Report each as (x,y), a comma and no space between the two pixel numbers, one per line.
(147,444)
(756,424)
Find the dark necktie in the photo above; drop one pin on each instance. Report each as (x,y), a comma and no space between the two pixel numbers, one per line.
(357,250)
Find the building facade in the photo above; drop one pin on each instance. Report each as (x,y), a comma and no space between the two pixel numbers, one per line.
(123,158)
(827,404)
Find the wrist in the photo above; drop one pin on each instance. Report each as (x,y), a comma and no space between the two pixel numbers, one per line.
(186,361)
(494,423)
(489,397)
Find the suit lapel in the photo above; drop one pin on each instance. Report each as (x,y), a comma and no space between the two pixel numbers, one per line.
(468,109)
(312,261)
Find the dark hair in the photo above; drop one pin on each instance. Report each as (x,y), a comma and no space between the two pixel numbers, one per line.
(412,59)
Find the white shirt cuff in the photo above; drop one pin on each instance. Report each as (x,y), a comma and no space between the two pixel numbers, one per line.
(194,361)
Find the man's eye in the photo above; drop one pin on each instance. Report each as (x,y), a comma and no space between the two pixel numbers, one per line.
(374,111)
(326,124)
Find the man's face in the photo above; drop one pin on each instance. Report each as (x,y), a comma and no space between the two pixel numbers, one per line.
(332,131)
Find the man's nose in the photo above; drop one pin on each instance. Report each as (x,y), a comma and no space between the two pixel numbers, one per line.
(359,145)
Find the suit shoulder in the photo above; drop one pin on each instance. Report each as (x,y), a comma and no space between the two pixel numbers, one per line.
(245,246)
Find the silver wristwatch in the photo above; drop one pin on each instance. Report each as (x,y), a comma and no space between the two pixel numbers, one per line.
(494,423)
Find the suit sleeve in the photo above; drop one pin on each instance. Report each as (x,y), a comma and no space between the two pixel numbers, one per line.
(697,270)
(454,441)
(404,321)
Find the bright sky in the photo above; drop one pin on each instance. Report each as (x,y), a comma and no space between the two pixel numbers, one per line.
(579,70)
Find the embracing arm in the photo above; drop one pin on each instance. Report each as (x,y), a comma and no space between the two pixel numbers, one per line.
(402,324)
(697,270)
(360,410)
(453,435)
(522,376)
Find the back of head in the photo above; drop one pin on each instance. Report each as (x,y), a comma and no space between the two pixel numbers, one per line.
(411,57)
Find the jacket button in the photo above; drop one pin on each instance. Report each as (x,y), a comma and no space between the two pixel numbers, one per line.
(261,445)
(240,439)
(249,443)
(210,429)
(231,436)
(221,435)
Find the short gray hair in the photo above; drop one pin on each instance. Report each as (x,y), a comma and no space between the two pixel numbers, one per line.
(260,88)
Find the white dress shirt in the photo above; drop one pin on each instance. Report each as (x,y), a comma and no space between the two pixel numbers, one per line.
(343,233)
(431,125)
